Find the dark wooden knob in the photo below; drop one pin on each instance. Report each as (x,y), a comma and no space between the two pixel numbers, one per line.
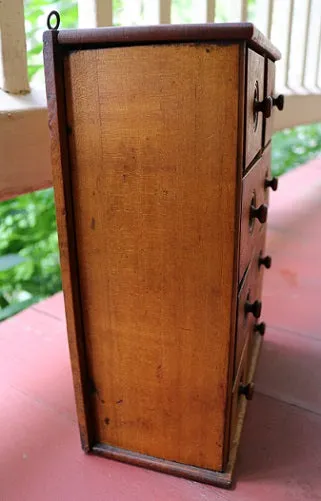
(264,106)
(272,183)
(247,390)
(260,328)
(259,213)
(254,308)
(265,261)
(279,102)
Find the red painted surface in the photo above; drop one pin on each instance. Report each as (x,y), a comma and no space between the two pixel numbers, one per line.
(280,453)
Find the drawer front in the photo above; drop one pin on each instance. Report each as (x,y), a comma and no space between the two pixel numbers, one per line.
(277,101)
(250,292)
(255,199)
(254,94)
(241,379)
(249,306)
(260,262)
(269,91)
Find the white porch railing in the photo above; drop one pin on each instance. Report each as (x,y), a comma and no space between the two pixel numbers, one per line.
(293,25)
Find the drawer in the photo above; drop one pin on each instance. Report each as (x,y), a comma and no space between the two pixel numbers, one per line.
(260,262)
(242,388)
(277,101)
(269,91)
(254,95)
(255,199)
(248,311)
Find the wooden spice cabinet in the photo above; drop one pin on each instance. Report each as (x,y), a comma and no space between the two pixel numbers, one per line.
(161,167)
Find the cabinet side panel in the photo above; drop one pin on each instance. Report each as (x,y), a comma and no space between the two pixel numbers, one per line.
(153,142)
(53,60)
(238,211)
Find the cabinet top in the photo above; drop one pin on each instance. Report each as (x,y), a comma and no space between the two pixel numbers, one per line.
(166,33)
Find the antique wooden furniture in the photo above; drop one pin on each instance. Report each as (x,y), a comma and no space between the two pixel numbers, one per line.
(161,162)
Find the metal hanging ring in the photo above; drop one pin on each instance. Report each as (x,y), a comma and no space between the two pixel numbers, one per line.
(55,14)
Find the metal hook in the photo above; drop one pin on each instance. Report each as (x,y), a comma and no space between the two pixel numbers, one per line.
(57,16)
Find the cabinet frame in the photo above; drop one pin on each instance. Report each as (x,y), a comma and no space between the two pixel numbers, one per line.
(57,45)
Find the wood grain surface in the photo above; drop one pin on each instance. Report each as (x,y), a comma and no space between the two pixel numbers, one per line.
(241,378)
(254,122)
(238,210)
(269,91)
(253,187)
(153,152)
(170,33)
(246,322)
(53,60)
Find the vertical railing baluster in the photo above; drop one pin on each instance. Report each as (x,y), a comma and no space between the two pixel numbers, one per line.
(289,43)
(306,40)
(270,18)
(210,11)
(95,13)
(244,6)
(13,54)
(317,70)
(164,9)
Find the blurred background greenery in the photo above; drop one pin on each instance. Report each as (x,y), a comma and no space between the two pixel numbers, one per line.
(29,259)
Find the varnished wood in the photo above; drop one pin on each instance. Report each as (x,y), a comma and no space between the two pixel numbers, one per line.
(254,121)
(260,249)
(238,211)
(53,60)
(241,377)
(252,287)
(181,33)
(245,322)
(218,478)
(149,131)
(237,427)
(154,187)
(221,479)
(257,274)
(269,91)
(253,189)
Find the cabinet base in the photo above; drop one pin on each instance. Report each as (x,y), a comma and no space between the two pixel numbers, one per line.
(220,479)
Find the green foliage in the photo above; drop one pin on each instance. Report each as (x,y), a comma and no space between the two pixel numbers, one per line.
(29,259)
(293,147)
(181,11)
(9,261)
(36,12)
(14,308)
(29,262)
